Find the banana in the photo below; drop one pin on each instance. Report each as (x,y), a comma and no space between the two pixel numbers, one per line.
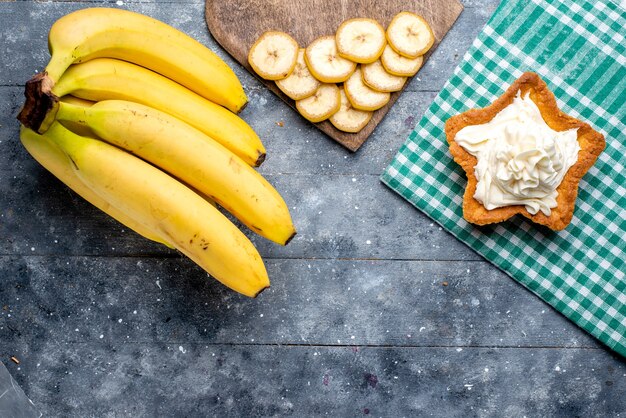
(396,64)
(188,154)
(273,56)
(104,32)
(410,35)
(360,40)
(84,130)
(324,62)
(144,192)
(301,83)
(361,96)
(324,103)
(53,159)
(376,77)
(349,119)
(107,78)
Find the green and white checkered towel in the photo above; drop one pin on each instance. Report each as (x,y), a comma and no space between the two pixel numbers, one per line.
(579,49)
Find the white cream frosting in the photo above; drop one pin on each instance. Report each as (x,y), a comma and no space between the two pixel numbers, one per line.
(521,160)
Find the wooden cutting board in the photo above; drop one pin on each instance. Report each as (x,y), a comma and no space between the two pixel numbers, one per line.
(236,24)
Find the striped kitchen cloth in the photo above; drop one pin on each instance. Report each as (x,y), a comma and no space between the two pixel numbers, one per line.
(579,49)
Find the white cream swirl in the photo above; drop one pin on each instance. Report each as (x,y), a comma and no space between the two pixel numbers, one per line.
(521,160)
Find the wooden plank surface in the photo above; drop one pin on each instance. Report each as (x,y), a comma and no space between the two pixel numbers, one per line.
(308,20)
(94,379)
(186,346)
(319,302)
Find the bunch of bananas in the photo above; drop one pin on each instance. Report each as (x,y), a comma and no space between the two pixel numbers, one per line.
(140,120)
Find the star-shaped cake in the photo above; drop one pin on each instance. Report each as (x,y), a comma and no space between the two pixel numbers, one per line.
(522,155)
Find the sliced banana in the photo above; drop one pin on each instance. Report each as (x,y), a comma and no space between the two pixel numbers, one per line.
(301,83)
(325,63)
(398,65)
(273,56)
(360,40)
(375,76)
(323,104)
(349,119)
(361,96)
(410,35)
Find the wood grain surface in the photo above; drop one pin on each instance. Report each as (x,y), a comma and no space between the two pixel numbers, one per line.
(236,24)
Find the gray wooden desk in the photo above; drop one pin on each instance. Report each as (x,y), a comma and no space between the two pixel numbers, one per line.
(357,322)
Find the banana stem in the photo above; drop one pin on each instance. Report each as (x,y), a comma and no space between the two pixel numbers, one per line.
(56,67)
(72,112)
(40,105)
(67,140)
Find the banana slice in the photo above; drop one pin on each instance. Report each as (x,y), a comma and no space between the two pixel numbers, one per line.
(410,35)
(301,83)
(360,40)
(323,104)
(375,76)
(325,63)
(396,64)
(273,56)
(349,119)
(361,96)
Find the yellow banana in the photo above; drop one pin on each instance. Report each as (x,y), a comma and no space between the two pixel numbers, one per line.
(53,159)
(103,32)
(165,205)
(188,154)
(81,129)
(107,78)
